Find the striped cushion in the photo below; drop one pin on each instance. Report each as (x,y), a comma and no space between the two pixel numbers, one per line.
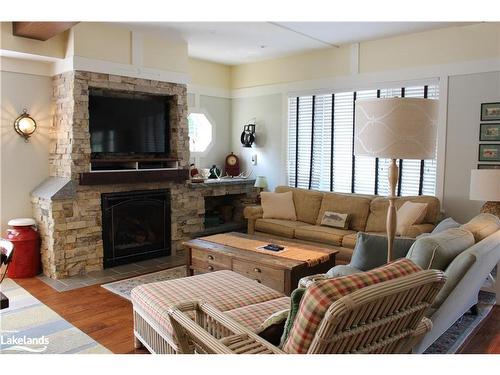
(252,316)
(321,294)
(226,290)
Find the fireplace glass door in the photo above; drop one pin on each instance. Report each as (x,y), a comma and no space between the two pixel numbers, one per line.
(136,226)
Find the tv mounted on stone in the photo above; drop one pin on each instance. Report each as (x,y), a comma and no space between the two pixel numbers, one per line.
(128,123)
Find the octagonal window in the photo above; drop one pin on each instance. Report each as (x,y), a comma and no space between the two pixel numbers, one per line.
(200,132)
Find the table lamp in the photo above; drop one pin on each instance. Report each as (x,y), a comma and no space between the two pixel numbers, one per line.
(395,128)
(485,186)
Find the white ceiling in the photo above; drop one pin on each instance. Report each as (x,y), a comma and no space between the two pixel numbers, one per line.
(236,43)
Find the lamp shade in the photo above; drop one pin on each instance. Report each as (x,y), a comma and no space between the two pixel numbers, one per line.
(396,128)
(261,182)
(485,185)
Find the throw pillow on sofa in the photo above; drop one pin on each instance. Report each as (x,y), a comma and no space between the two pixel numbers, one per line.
(342,270)
(482,226)
(437,251)
(278,206)
(335,220)
(408,214)
(443,225)
(370,250)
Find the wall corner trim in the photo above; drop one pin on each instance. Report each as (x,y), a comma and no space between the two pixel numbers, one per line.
(107,67)
(209,91)
(355,58)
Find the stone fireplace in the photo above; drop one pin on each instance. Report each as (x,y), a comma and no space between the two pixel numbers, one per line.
(69,212)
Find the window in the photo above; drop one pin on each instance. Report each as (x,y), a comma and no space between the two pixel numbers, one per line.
(320,147)
(200,132)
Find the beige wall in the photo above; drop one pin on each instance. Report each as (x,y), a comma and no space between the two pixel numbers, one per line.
(23,165)
(40,68)
(448,45)
(114,43)
(209,74)
(313,65)
(105,42)
(441,46)
(161,53)
(102,41)
(54,47)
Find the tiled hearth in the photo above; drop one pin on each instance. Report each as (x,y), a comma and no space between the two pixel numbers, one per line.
(109,275)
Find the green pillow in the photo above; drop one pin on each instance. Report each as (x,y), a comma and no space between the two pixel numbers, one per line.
(295,298)
(371,250)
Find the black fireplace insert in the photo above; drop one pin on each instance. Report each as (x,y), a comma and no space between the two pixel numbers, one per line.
(135,226)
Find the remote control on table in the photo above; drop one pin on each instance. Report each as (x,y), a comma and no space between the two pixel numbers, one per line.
(273,247)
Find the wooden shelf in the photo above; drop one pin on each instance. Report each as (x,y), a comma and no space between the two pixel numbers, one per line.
(133,176)
(132,164)
(125,159)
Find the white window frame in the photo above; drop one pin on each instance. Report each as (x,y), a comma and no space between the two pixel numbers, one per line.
(354,83)
(214,131)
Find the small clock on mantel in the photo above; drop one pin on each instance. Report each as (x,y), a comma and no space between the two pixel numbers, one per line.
(232,165)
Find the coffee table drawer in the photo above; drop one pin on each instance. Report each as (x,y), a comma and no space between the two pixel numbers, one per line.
(271,277)
(212,258)
(204,267)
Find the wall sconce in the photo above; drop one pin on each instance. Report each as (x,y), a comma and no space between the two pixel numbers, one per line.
(248,135)
(25,125)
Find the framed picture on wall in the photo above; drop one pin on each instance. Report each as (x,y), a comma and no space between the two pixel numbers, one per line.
(489,152)
(489,132)
(488,166)
(490,111)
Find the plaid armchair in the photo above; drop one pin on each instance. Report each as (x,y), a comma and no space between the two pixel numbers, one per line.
(381,311)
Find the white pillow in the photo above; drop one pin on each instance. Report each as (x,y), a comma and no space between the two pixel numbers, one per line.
(410,213)
(278,206)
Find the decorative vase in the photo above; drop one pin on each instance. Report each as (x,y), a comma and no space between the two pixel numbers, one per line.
(205,173)
(214,172)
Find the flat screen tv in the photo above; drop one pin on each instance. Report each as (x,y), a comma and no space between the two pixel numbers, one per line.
(128,123)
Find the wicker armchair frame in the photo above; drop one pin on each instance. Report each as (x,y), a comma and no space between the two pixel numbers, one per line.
(383,318)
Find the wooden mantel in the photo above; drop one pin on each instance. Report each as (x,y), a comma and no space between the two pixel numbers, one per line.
(40,30)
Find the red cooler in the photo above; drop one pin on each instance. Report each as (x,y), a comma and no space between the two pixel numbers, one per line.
(26,257)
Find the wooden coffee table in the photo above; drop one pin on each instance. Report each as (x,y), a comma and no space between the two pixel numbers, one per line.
(281,274)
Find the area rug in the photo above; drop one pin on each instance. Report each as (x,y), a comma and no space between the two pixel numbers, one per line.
(29,327)
(449,343)
(124,287)
(452,340)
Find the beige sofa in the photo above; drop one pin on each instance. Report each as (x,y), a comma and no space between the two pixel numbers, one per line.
(368,214)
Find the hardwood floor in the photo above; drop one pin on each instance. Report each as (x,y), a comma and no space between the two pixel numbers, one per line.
(486,340)
(107,318)
(102,315)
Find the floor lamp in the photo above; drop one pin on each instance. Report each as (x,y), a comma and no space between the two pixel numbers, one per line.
(395,128)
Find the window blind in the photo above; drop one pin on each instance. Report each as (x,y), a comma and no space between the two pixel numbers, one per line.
(320,146)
